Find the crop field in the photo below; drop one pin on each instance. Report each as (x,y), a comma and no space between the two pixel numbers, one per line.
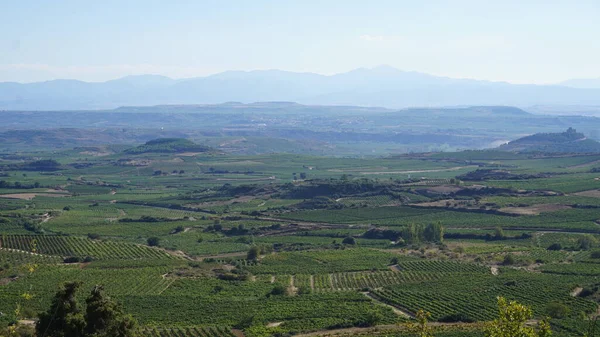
(79,247)
(207,244)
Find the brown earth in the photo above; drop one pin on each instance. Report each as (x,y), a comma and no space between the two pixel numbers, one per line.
(534,209)
(589,193)
(30,196)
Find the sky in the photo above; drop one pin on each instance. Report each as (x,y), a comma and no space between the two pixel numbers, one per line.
(525,41)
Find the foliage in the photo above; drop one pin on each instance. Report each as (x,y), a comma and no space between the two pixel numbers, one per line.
(511,320)
(64,318)
(420,328)
(153,241)
(105,317)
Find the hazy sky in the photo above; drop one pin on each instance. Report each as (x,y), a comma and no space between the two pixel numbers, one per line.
(522,41)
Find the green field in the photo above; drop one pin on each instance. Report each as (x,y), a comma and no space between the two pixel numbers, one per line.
(340,242)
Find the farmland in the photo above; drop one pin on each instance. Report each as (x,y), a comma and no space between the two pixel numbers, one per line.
(201,243)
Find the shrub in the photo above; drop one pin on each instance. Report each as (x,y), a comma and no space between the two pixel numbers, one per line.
(557,310)
(153,241)
(456,317)
(509,259)
(595,254)
(278,289)
(555,246)
(349,241)
(72,259)
(93,236)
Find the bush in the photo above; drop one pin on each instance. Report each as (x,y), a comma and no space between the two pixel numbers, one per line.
(456,317)
(93,236)
(278,289)
(509,259)
(349,241)
(555,246)
(72,259)
(557,310)
(595,254)
(153,241)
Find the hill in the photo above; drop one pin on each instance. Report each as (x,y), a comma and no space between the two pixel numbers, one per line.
(569,141)
(168,145)
(379,86)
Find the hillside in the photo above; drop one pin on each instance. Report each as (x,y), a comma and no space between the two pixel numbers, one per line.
(168,145)
(569,141)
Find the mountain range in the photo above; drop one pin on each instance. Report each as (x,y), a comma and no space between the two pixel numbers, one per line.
(382,86)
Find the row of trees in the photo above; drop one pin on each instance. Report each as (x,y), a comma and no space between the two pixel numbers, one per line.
(433,232)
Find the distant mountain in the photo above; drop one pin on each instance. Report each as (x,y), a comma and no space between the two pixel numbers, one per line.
(569,141)
(583,83)
(380,86)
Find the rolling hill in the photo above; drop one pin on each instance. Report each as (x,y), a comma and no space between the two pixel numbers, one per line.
(569,141)
(168,145)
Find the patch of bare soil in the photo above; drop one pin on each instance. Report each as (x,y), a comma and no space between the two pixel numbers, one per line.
(237,333)
(358,169)
(7,280)
(534,209)
(189,154)
(246,179)
(576,292)
(242,199)
(446,203)
(456,168)
(53,190)
(443,189)
(28,322)
(395,267)
(96,153)
(589,193)
(30,196)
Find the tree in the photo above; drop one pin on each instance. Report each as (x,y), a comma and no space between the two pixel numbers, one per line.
(499,233)
(434,233)
(420,328)
(253,253)
(153,241)
(105,317)
(349,241)
(511,320)
(64,317)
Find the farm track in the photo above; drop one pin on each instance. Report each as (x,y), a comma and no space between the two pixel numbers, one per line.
(399,311)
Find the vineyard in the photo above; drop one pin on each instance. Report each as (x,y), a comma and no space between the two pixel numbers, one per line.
(220,245)
(79,247)
(188,332)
